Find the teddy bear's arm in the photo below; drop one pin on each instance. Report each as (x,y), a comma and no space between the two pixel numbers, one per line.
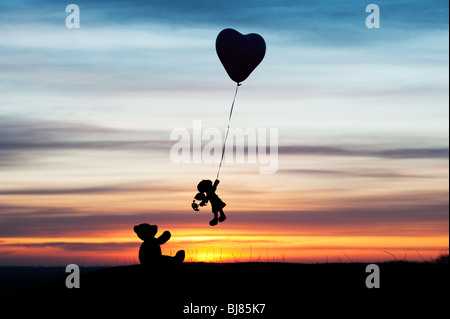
(164,238)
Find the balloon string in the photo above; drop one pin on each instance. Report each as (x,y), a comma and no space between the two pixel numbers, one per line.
(228,129)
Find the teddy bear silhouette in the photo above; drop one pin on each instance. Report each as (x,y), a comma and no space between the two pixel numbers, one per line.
(150,251)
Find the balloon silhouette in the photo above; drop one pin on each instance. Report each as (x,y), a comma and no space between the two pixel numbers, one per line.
(240,54)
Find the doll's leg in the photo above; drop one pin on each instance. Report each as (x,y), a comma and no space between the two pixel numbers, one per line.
(215,220)
(222,216)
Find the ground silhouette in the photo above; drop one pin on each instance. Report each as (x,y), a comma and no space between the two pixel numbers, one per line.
(287,290)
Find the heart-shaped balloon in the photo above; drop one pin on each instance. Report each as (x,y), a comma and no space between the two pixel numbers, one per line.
(240,54)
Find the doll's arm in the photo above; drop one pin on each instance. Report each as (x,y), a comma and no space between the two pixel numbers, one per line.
(216,183)
(164,238)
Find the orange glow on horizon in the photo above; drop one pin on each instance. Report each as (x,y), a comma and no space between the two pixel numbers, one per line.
(232,248)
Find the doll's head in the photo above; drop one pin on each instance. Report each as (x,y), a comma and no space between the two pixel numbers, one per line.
(204,186)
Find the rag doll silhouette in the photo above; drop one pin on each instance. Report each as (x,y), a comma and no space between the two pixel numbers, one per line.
(207,193)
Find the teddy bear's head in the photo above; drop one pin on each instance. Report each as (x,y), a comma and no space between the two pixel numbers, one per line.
(146,231)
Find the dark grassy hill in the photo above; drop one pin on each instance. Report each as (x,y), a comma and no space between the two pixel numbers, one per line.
(287,290)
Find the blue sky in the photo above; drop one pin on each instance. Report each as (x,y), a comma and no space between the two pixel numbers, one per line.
(322,62)
(362,113)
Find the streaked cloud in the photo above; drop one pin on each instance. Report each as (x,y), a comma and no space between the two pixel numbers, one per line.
(18,137)
(87,190)
(394,215)
(356,173)
(77,247)
(433,153)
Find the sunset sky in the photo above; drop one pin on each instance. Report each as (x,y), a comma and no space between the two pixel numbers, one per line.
(86,117)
